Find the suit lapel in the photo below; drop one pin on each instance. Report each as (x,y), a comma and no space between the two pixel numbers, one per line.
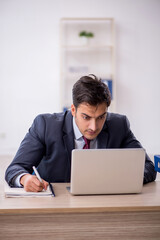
(102,139)
(68,138)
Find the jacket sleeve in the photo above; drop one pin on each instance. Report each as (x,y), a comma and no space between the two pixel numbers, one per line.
(30,152)
(131,142)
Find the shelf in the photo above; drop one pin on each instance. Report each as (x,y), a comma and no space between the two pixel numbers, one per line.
(87,47)
(82,56)
(86,20)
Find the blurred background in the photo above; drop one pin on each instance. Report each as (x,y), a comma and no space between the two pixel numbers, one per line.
(31,62)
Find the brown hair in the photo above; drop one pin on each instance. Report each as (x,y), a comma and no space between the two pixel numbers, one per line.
(91,90)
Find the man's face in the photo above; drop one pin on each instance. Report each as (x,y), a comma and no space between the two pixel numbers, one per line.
(89,119)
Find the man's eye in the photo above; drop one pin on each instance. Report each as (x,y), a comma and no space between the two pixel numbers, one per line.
(101,117)
(85,117)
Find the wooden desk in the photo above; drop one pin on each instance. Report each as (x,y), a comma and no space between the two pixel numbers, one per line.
(135,216)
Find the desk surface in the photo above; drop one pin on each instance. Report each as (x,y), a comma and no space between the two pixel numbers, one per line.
(148,200)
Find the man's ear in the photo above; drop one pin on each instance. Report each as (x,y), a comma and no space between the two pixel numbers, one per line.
(73,110)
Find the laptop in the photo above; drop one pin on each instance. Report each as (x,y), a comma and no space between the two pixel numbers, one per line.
(107,171)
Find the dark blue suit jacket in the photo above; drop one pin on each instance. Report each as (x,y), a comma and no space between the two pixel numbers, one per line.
(50,140)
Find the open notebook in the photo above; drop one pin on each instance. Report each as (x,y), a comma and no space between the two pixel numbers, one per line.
(20,192)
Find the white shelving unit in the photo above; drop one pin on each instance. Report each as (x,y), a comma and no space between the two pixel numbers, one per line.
(82,56)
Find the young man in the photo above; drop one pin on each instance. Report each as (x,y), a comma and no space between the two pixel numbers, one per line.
(52,137)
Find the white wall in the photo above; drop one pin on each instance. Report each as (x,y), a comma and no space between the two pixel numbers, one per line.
(30,63)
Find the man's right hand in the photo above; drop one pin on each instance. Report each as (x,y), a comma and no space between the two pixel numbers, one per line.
(32,184)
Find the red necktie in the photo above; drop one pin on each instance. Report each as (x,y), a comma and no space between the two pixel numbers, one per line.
(87,143)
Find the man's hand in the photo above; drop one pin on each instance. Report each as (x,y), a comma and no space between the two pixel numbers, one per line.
(32,184)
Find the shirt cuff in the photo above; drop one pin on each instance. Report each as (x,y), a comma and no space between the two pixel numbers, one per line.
(17,180)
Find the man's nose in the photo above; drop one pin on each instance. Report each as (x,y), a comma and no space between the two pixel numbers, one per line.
(93,125)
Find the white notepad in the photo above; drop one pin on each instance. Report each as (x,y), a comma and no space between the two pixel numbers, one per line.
(20,192)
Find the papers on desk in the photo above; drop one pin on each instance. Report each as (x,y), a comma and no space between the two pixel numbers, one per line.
(20,192)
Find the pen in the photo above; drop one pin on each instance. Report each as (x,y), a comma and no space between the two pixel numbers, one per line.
(40,179)
(37,174)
